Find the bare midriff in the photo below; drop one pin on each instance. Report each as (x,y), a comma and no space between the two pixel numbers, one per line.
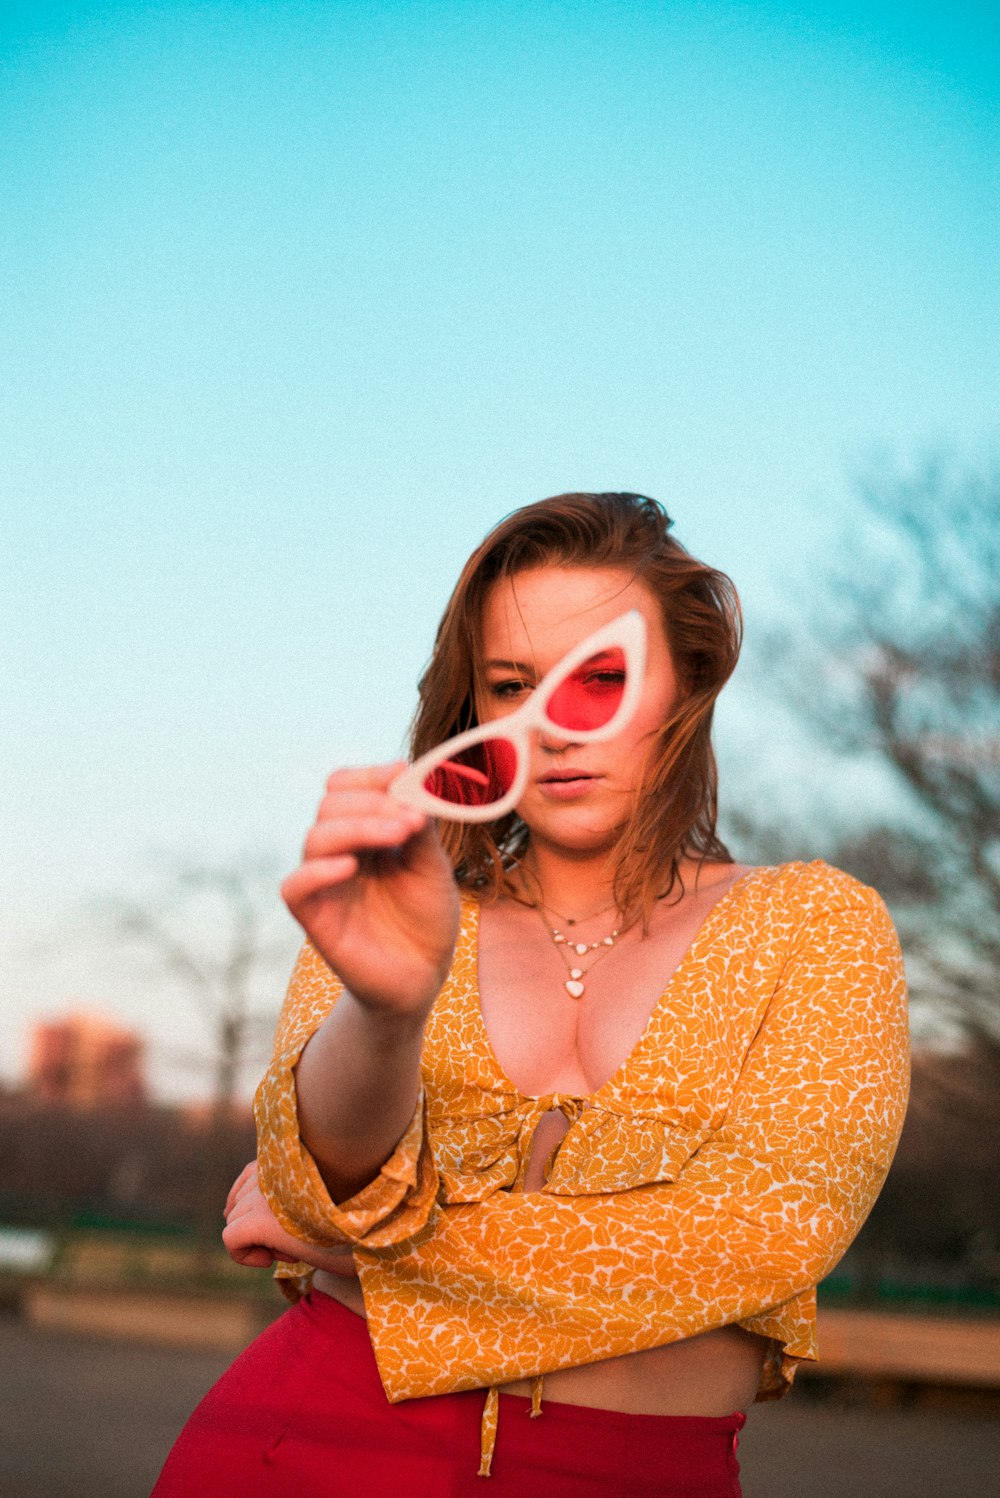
(712,1374)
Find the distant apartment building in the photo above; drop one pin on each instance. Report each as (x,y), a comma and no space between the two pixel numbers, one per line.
(85,1060)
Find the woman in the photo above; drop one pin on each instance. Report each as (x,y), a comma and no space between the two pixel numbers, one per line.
(559,1091)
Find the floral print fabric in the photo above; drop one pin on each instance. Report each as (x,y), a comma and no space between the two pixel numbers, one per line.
(716,1178)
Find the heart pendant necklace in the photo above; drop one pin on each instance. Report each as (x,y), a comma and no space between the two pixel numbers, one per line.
(574,984)
(569,948)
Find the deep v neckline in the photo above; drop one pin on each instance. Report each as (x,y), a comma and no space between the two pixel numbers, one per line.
(689,959)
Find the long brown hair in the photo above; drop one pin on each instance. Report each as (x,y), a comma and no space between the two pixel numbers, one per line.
(675,812)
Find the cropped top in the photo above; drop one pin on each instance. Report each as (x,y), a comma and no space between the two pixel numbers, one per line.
(714,1179)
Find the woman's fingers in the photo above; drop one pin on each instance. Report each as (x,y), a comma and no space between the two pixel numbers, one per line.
(315,876)
(245,1248)
(247,1177)
(254,1256)
(365,777)
(249,1222)
(374,891)
(242,1207)
(350,834)
(351,823)
(253,1236)
(352,802)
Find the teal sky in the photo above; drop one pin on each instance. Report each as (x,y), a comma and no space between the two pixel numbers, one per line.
(299,298)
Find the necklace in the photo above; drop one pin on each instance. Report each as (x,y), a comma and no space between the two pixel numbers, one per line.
(575,920)
(568,920)
(574,984)
(565,945)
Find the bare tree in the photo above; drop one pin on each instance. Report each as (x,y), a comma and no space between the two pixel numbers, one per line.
(898,671)
(211,933)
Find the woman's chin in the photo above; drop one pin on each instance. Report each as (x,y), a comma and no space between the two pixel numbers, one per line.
(569,828)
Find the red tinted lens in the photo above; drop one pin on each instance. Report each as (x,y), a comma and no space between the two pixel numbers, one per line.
(477,776)
(591,696)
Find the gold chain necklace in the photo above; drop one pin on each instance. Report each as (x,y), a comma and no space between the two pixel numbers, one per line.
(575,920)
(574,984)
(569,920)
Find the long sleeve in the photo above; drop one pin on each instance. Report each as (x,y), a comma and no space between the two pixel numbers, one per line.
(399,1202)
(758,1215)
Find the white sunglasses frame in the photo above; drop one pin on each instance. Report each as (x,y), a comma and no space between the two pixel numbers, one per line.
(628,632)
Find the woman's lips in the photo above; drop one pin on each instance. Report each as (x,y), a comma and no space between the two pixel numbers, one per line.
(568,784)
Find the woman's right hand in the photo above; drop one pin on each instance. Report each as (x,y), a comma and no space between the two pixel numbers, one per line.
(254,1237)
(376,894)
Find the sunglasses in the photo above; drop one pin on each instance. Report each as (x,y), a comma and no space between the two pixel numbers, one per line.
(481,775)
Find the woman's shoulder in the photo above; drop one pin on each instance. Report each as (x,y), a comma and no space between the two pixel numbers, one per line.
(822,915)
(813,884)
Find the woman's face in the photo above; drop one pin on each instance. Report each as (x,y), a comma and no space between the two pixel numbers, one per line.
(578,795)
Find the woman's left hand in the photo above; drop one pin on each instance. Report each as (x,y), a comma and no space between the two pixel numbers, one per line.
(253,1235)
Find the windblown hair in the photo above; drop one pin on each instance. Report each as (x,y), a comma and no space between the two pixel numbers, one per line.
(676,808)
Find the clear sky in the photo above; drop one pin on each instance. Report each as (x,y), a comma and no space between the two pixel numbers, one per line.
(299,298)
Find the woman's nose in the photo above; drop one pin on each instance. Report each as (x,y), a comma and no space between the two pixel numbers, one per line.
(553,743)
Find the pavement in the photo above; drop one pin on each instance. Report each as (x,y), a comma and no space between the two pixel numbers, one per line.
(92,1418)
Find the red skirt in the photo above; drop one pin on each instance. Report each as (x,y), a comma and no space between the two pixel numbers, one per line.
(302,1414)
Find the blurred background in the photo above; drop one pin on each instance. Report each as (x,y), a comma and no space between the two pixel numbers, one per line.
(299,299)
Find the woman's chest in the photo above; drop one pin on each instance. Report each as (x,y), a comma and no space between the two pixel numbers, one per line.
(639,1084)
(548,1039)
(564,1020)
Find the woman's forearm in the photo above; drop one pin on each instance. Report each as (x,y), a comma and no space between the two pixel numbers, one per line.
(357,1082)
(376,896)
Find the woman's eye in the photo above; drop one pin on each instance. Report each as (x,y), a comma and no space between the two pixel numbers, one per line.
(508,691)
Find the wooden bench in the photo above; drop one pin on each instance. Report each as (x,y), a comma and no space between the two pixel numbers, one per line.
(908,1348)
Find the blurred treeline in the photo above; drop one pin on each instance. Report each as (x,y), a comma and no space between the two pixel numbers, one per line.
(140,1172)
(140,1166)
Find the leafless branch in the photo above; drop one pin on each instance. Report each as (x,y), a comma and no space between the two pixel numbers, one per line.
(898,670)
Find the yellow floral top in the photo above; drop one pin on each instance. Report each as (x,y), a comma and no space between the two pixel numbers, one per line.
(720,1173)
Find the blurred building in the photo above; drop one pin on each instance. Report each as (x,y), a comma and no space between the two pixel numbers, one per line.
(85,1060)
